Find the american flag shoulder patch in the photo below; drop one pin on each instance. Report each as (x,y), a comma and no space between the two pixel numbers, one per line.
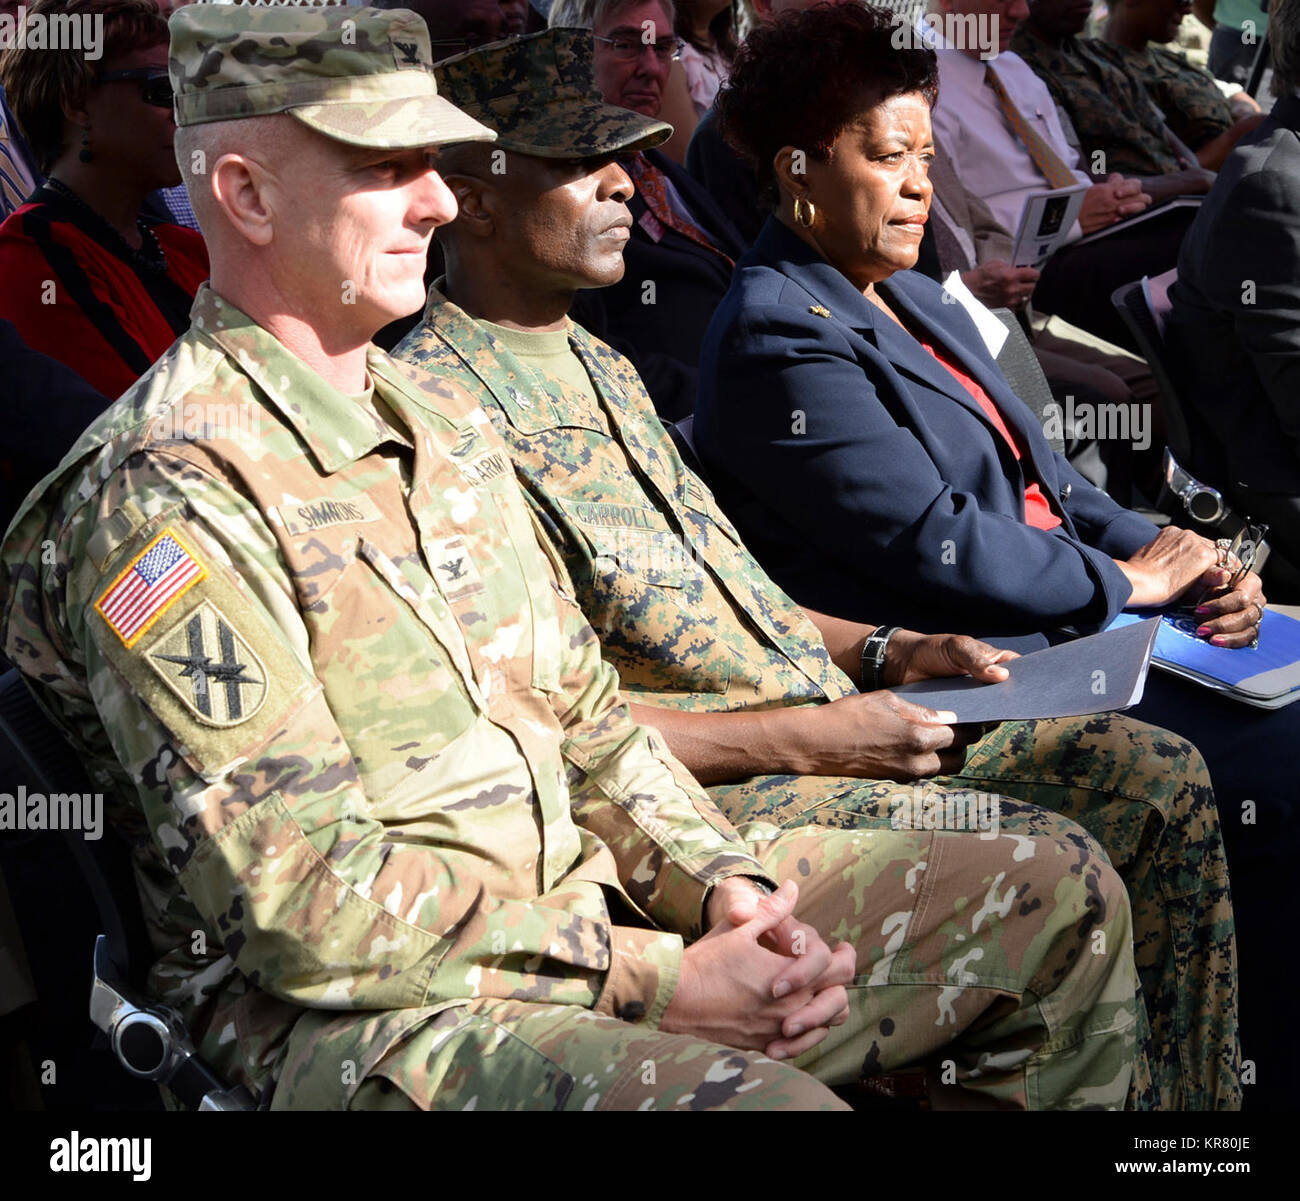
(149,585)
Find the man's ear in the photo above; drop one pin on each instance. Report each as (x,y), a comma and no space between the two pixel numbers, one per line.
(477,202)
(242,189)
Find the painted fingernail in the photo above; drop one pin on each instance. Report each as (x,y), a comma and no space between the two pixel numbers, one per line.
(1201,631)
(1202,609)
(1219,640)
(781,989)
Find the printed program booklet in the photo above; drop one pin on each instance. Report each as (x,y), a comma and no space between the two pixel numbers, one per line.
(1088,675)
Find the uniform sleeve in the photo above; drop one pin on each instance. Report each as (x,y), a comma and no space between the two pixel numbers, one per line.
(670,841)
(256,803)
(1190,100)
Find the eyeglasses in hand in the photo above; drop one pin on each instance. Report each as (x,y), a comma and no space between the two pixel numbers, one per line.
(1245,548)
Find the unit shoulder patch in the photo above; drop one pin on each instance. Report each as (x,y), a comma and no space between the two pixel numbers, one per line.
(205,659)
(210,667)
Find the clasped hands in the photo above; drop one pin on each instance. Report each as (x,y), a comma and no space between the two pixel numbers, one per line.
(760,979)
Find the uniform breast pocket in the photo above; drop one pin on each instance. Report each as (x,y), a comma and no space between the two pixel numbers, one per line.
(642,592)
(391,673)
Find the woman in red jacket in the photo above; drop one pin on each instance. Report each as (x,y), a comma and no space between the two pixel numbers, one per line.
(84,276)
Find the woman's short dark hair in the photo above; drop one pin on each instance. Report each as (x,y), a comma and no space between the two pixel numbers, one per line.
(1284,45)
(40,84)
(801,80)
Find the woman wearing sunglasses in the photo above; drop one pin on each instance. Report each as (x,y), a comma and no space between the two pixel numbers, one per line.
(85,276)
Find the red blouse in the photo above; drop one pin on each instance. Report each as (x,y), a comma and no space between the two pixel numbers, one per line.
(80,303)
(1038,513)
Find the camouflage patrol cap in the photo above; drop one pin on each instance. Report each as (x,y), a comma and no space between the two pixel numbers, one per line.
(357,75)
(539,94)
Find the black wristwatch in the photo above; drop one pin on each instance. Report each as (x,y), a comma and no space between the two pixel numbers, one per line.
(872,670)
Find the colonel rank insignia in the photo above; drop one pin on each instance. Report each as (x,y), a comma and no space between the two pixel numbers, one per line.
(215,673)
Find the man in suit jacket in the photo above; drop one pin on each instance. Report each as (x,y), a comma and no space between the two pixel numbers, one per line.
(682,248)
(1233,334)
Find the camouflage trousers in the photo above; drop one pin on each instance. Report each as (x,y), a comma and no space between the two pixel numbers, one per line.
(1007,964)
(1145,796)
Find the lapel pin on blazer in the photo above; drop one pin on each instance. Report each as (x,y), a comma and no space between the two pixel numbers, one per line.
(818,310)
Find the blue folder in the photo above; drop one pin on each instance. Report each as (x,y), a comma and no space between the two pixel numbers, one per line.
(1267,676)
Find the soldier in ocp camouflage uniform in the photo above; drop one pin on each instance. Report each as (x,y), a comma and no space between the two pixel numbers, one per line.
(400,842)
(703,639)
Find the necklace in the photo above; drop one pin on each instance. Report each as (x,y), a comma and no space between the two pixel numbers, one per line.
(149,257)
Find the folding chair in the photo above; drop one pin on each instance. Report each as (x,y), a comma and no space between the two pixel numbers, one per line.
(148,1040)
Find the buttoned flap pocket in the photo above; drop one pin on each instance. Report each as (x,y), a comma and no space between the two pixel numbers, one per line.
(392,664)
(641,591)
(318,539)
(317,563)
(631,540)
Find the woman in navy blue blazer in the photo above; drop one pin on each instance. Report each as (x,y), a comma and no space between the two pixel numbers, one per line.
(851,418)
(878,464)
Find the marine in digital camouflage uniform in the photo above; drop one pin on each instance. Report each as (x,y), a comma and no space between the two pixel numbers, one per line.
(1193,106)
(399,841)
(1110,111)
(691,621)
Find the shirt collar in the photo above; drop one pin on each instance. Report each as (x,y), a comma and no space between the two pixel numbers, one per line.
(335,428)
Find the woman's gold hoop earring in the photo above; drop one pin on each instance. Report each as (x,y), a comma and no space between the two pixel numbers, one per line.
(805,212)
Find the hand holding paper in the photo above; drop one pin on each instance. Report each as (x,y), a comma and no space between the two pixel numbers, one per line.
(1089,675)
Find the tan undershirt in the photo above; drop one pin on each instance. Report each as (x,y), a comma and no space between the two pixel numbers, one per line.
(547,352)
